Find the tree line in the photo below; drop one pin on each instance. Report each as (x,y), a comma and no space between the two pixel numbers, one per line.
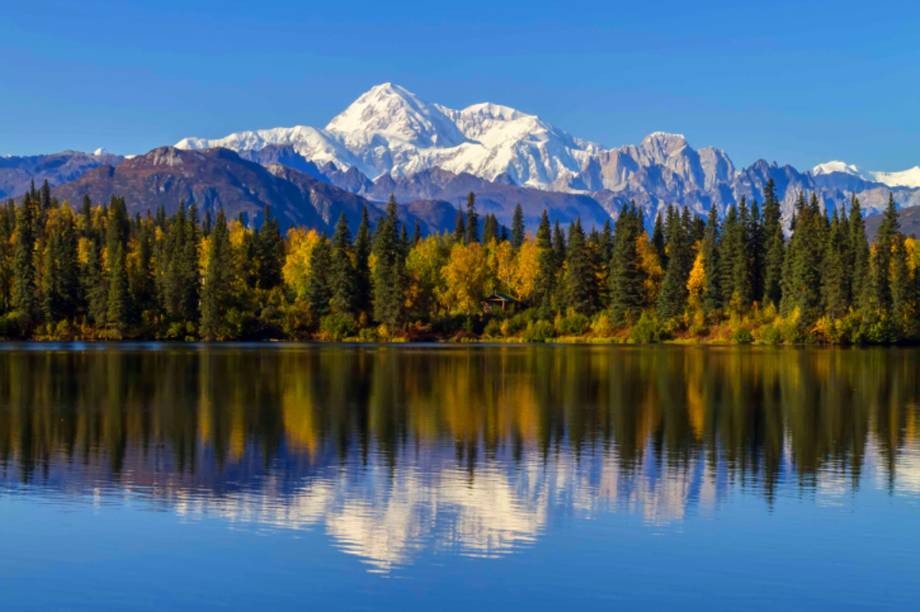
(95,272)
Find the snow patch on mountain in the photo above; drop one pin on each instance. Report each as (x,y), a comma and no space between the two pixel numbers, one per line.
(904,178)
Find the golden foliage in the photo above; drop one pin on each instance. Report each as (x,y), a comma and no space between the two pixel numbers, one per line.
(296,269)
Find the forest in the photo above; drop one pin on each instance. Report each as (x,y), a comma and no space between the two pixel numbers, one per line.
(97,273)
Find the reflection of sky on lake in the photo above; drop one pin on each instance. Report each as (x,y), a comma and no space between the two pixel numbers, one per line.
(533,468)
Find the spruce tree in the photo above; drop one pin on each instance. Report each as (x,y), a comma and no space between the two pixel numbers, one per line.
(774,247)
(460,227)
(117,306)
(858,257)
(24,301)
(581,289)
(880,262)
(672,298)
(342,277)
(269,252)
(472,220)
(517,227)
(833,271)
(319,288)
(389,276)
(545,283)
(712,295)
(362,265)
(626,277)
(217,289)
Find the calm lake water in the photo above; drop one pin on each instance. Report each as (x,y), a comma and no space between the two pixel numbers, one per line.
(291,477)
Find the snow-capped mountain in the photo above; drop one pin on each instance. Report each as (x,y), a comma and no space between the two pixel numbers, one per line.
(904,178)
(389,130)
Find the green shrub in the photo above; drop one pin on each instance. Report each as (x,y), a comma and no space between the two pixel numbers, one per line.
(539,331)
(742,335)
(337,326)
(647,330)
(493,328)
(572,324)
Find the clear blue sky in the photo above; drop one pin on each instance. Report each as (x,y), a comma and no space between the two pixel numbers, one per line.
(798,82)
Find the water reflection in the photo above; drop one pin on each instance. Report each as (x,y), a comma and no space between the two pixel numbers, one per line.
(392,451)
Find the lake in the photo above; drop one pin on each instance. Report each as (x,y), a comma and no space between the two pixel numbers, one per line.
(435,477)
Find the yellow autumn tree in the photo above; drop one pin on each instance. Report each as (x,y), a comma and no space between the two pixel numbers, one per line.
(696,284)
(296,269)
(465,276)
(527,269)
(502,265)
(423,265)
(651,266)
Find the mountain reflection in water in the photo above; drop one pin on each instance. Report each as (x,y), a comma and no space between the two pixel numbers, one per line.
(473,451)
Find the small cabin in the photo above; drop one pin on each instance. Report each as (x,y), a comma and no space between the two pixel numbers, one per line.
(498,302)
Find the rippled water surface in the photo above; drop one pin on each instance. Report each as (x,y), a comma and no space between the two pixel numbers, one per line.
(291,477)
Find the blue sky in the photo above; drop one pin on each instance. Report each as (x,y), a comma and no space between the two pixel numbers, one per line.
(794,82)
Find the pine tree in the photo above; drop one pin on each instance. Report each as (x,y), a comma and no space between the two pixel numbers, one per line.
(627,280)
(269,252)
(858,258)
(558,245)
(880,261)
(217,289)
(389,277)
(545,283)
(362,265)
(712,294)
(581,289)
(472,220)
(319,289)
(658,240)
(774,247)
(117,306)
(342,277)
(95,285)
(23,300)
(517,227)
(460,227)
(672,298)
(802,269)
(833,271)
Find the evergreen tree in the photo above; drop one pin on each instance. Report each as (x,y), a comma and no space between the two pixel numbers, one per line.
(558,245)
(858,256)
(517,227)
(672,298)
(545,283)
(24,301)
(269,252)
(472,220)
(774,247)
(802,269)
(389,277)
(880,262)
(833,271)
(581,289)
(460,227)
(362,265)
(658,240)
(342,276)
(319,289)
(217,290)
(712,294)
(627,279)
(117,306)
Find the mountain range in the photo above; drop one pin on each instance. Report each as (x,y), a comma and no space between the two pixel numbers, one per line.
(429,156)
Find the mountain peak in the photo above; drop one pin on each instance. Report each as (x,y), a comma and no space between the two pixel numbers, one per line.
(395,114)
